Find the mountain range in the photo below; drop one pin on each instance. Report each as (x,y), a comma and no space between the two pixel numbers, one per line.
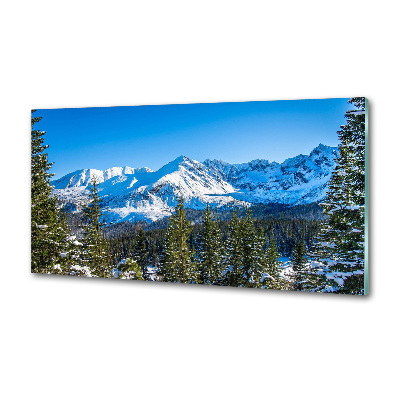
(132,194)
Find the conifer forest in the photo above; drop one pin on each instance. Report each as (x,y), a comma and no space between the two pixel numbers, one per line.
(316,245)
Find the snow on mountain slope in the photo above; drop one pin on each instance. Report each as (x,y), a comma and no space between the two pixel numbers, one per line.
(155,194)
(145,194)
(298,180)
(83,177)
(142,194)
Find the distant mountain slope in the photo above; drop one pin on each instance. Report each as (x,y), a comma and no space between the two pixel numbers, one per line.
(298,180)
(142,194)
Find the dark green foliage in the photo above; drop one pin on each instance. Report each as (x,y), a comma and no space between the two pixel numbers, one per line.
(354,284)
(178,262)
(130,269)
(211,253)
(94,254)
(253,261)
(140,251)
(250,262)
(299,254)
(272,257)
(256,266)
(233,274)
(341,244)
(272,266)
(47,235)
(284,229)
(249,251)
(299,262)
(70,255)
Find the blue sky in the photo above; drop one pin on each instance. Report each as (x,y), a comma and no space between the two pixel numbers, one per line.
(151,136)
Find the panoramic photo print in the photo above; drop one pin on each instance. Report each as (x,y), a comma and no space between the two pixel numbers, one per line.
(261,194)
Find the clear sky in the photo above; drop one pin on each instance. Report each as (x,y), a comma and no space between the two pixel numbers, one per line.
(151,136)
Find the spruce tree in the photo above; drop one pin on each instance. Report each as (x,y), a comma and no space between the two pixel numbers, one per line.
(249,250)
(94,244)
(61,232)
(245,253)
(234,253)
(299,262)
(253,250)
(272,257)
(130,269)
(154,255)
(71,255)
(46,236)
(211,250)
(342,240)
(68,255)
(140,251)
(272,265)
(178,263)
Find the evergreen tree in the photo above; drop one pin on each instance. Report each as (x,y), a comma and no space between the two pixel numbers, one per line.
(299,263)
(254,255)
(46,234)
(94,245)
(71,247)
(154,256)
(211,252)
(272,266)
(233,273)
(353,284)
(245,253)
(249,250)
(130,269)
(272,257)
(342,238)
(141,253)
(178,265)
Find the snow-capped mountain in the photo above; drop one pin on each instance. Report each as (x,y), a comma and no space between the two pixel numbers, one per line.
(84,177)
(298,180)
(143,194)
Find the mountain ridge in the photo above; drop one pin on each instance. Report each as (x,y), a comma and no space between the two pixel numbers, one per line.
(143,194)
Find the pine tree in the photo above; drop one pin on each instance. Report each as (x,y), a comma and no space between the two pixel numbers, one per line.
(245,253)
(130,269)
(343,234)
(140,251)
(211,250)
(299,263)
(72,253)
(63,233)
(249,250)
(95,256)
(254,255)
(233,273)
(272,257)
(154,255)
(272,266)
(46,236)
(178,263)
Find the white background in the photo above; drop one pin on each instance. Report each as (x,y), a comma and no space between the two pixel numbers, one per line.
(66,338)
